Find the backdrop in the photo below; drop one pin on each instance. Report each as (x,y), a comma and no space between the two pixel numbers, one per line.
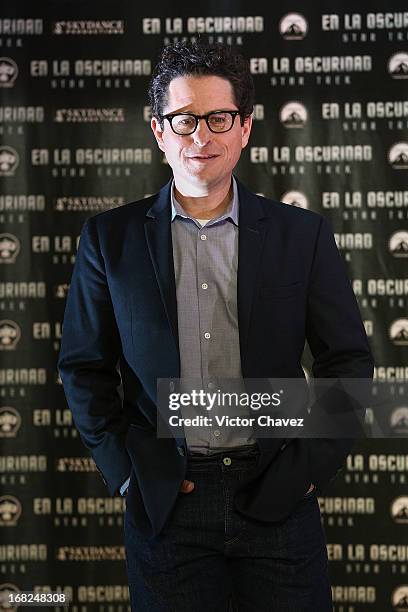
(329,134)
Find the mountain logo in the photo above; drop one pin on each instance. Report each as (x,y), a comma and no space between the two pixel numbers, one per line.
(398,156)
(9,160)
(398,66)
(293,26)
(399,599)
(8,72)
(10,511)
(399,332)
(293,115)
(295,198)
(9,335)
(10,421)
(398,244)
(9,247)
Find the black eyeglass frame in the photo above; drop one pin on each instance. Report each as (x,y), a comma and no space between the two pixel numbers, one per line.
(197,118)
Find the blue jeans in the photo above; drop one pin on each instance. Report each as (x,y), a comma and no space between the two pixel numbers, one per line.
(209,558)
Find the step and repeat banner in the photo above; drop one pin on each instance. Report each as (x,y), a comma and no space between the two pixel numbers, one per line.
(329,134)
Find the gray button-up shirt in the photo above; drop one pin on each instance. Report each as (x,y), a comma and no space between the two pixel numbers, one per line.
(205,267)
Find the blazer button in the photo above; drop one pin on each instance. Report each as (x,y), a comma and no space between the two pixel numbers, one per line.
(181,450)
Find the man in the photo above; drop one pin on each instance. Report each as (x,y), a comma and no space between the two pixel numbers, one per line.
(205,279)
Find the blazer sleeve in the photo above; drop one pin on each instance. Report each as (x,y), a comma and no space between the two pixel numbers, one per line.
(88,363)
(337,340)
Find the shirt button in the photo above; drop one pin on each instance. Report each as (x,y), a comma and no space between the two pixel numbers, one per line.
(227,461)
(217,433)
(211,385)
(203,237)
(204,286)
(207,335)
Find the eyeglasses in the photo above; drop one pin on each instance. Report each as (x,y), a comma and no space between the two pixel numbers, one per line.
(184,124)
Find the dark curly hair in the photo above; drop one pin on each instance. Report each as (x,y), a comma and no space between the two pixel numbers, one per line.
(201,59)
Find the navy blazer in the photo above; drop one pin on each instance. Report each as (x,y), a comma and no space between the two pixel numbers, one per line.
(120,334)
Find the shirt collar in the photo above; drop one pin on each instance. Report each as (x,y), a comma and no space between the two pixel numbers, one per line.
(230,213)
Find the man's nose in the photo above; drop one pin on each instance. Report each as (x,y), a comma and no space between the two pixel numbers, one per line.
(202,135)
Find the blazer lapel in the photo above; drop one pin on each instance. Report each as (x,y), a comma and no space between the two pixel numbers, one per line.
(252,231)
(159,242)
(251,235)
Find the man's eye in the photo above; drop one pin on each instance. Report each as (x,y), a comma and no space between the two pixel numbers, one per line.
(218,119)
(188,121)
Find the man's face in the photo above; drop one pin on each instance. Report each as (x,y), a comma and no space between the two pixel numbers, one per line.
(200,95)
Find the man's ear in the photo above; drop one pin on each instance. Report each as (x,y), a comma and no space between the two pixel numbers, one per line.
(158,132)
(246,130)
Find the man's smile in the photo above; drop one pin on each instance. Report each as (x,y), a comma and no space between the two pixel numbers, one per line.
(202,158)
